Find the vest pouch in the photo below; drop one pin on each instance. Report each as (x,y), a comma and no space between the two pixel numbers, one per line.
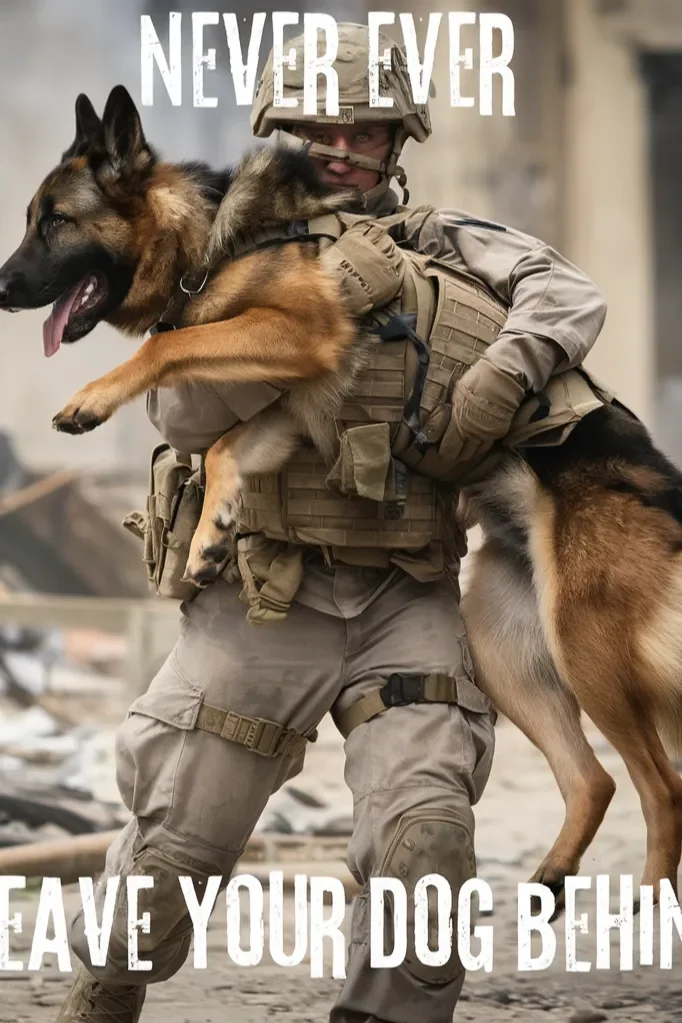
(365,466)
(546,420)
(173,511)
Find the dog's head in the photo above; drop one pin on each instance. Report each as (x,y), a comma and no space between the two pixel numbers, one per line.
(81,249)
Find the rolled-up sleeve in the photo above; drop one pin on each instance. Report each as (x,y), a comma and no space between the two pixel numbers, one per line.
(191,417)
(556,312)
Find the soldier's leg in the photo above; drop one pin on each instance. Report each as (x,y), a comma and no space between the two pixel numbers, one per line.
(196,795)
(415,772)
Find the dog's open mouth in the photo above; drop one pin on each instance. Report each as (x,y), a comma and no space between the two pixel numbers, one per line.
(70,308)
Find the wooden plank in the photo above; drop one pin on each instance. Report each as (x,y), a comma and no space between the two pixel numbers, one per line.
(84,856)
(36,491)
(42,610)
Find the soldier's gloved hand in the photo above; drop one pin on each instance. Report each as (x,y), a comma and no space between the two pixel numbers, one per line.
(485,399)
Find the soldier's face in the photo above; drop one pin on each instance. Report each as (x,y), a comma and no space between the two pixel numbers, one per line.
(369,139)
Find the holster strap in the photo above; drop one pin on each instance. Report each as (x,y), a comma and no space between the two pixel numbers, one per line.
(399,690)
(257,734)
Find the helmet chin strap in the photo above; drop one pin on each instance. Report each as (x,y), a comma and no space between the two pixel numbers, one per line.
(385,169)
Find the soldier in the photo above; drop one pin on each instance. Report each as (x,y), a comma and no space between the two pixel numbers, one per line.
(370,636)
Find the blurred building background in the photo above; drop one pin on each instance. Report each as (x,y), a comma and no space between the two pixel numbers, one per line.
(591,163)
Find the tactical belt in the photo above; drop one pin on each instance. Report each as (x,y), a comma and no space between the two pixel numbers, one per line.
(257,734)
(400,690)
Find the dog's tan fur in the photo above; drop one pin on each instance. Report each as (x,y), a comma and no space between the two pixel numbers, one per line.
(575,601)
(591,621)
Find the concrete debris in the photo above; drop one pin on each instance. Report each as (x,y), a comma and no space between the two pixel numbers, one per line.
(26,658)
(316,802)
(90,771)
(291,811)
(37,805)
(57,764)
(57,775)
(31,724)
(56,538)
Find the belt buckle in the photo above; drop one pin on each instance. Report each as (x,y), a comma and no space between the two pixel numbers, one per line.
(402,689)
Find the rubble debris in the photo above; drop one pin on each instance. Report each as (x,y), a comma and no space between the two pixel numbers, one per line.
(315,802)
(294,811)
(54,538)
(39,805)
(26,658)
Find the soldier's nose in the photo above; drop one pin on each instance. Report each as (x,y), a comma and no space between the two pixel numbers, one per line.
(339,167)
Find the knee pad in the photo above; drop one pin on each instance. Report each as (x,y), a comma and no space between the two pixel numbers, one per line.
(431,842)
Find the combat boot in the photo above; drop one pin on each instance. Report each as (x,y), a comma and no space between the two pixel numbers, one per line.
(88,1001)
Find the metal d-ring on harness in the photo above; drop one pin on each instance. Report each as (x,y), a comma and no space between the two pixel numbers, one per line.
(177,303)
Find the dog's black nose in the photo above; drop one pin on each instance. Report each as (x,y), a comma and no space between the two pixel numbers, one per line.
(7,286)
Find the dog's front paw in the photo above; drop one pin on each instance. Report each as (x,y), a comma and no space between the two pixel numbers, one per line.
(76,420)
(84,413)
(91,407)
(211,549)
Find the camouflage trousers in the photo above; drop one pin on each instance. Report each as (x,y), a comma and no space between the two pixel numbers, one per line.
(414,771)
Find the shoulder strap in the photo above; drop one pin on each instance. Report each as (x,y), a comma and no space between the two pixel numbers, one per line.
(327,229)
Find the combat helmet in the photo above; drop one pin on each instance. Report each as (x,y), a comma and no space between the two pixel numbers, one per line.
(411,119)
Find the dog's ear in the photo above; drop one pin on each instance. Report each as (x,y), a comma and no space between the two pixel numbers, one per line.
(127,156)
(88,127)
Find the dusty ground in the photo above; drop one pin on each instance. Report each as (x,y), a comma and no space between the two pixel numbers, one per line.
(517,819)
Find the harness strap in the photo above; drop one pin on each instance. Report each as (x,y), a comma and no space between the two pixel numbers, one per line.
(399,690)
(294,231)
(398,327)
(258,734)
(320,229)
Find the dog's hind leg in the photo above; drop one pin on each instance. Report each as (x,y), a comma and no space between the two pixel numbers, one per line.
(516,671)
(628,724)
(601,588)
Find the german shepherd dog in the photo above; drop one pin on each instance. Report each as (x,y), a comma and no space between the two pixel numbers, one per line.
(575,601)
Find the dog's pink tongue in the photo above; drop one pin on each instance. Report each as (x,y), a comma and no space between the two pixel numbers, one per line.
(53,328)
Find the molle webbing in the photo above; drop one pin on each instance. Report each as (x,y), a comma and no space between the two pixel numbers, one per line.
(367,499)
(379,393)
(466,323)
(297,505)
(369,504)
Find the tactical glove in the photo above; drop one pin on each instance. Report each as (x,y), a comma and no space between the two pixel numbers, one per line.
(484,402)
